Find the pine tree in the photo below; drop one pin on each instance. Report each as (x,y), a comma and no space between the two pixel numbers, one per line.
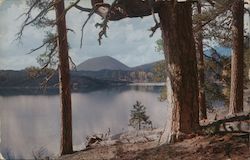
(138,116)
(179,48)
(237,69)
(226,27)
(56,45)
(64,80)
(201,74)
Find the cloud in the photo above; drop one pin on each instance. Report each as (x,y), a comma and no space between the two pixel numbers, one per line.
(128,39)
(1,2)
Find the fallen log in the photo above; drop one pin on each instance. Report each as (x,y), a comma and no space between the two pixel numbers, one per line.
(215,125)
(231,118)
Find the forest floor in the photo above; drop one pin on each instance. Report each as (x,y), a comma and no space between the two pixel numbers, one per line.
(217,147)
(144,145)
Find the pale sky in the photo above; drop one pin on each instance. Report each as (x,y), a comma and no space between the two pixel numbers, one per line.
(128,40)
(247,18)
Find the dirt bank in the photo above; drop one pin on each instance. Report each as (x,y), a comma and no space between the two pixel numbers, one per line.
(144,145)
(219,147)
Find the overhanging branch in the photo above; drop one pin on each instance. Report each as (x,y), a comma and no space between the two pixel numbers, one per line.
(123,9)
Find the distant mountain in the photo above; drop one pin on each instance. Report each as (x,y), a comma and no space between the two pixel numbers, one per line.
(102,63)
(146,67)
(108,63)
(92,74)
(108,68)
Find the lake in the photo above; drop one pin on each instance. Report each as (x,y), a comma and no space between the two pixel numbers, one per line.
(29,123)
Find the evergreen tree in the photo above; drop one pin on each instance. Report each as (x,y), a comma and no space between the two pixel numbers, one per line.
(237,69)
(226,28)
(56,45)
(138,116)
(201,74)
(64,80)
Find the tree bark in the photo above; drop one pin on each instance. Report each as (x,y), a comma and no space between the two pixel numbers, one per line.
(201,76)
(139,125)
(64,79)
(237,66)
(123,9)
(179,45)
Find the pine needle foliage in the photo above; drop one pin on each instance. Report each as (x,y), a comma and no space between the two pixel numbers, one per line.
(138,117)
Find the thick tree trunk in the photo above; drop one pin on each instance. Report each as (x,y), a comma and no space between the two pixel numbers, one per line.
(201,76)
(65,90)
(179,45)
(237,66)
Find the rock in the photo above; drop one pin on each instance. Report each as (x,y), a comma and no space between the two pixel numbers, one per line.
(93,140)
(1,157)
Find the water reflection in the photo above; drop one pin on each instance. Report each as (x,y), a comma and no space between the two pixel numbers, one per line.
(30,122)
(7,92)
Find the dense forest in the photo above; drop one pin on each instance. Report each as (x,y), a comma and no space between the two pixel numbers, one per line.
(193,77)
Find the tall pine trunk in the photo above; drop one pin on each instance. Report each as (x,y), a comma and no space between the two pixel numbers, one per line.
(201,76)
(64,79)
(179,45)
(237,66)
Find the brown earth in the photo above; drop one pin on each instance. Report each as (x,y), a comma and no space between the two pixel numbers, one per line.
(217,147)
(230,146)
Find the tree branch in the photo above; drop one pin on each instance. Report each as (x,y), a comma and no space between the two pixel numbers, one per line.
(123,9)
(211,14)
(84,24)
(104,24)
(83,9)
(73,63)
(47,42)
(154,29)
(73,4)
(28,20)
(233,118)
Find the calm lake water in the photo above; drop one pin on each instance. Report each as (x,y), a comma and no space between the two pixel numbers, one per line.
(32,122)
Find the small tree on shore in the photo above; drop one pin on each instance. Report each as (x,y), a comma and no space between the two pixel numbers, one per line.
(138,116)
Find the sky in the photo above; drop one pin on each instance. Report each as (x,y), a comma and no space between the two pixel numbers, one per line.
(128,39)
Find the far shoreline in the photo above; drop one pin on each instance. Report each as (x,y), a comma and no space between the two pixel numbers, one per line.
(148,84)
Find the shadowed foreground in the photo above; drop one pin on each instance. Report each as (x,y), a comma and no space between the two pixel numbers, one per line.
(234,146)
(143,145)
